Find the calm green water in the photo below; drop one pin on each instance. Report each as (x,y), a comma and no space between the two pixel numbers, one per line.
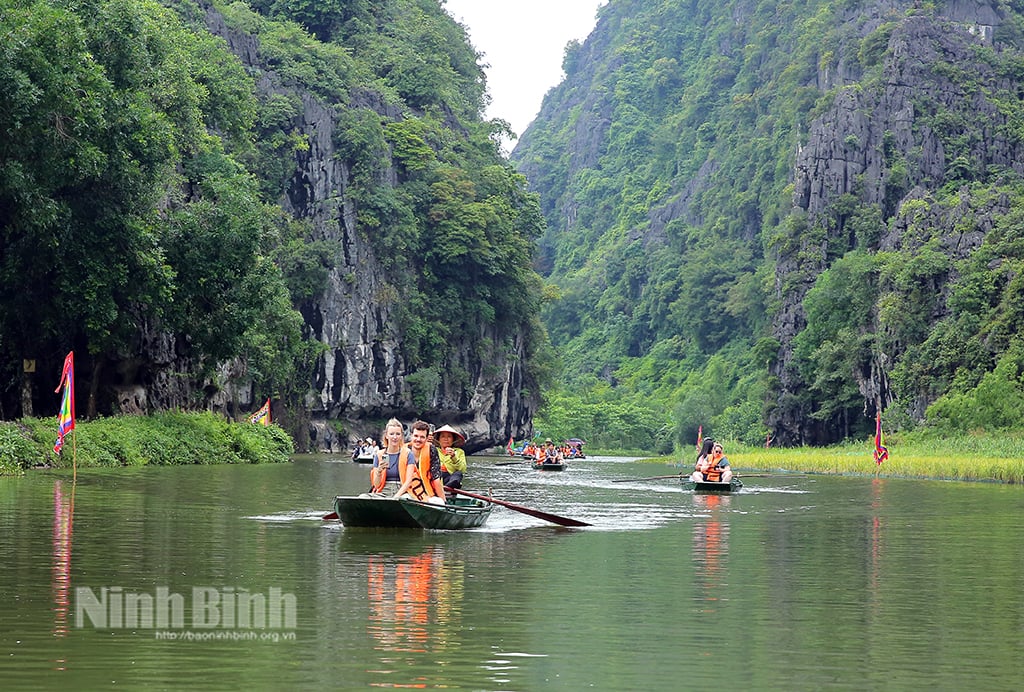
(799,583)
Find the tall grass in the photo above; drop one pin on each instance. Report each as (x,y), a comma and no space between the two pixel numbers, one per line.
(164,438)
(972,457)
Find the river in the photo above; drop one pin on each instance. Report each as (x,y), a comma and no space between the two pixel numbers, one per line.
(225,577)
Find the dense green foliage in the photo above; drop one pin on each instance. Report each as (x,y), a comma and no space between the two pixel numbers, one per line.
(665,165)
(143,174)
(165,438)
(125,204)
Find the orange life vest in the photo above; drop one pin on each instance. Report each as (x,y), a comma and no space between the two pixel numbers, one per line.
(714,472)
(382,466)
(424,470)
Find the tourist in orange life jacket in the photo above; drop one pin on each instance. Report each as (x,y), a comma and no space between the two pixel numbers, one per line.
(425,484)
(550,452)
(453,458)
(393,463)
(713,466)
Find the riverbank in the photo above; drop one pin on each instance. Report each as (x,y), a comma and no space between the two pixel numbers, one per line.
(163,438)
(975,457)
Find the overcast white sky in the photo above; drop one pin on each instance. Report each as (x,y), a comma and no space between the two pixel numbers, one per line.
(523,42)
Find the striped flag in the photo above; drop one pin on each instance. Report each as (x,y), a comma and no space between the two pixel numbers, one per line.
(263,415)
(66,417)
(881,453)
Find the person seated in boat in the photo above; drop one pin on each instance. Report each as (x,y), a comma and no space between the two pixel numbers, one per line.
(549,453)
(453,457)
(392,464)
(424,481)
(713,466)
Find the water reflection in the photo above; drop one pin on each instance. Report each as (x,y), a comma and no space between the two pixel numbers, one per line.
(63,517)
(414,601)
(877,486)
(63,521)
(711,545)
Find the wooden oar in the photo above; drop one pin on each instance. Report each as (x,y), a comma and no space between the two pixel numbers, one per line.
(553,518)
(507,463)
(649,478)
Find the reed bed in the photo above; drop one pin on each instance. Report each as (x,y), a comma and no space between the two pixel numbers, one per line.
(969,458)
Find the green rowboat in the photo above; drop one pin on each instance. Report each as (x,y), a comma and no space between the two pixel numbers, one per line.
(549,465)
(388,512)
(712,486)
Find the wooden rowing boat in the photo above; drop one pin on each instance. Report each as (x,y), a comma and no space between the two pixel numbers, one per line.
(388,512)
(712,486)
(549,465)
(456,513)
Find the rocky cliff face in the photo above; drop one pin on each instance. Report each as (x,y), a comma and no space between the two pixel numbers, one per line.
(881,144)
(362,378)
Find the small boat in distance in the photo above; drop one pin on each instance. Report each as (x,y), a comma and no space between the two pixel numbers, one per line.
(388,512)
(549,465)
(712,486)
(364,451)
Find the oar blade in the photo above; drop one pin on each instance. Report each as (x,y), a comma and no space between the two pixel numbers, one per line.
(546,516)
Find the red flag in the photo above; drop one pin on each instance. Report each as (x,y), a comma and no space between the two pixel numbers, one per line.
(263,415)
(511,446)
(66,417)
(700,436)
(881,453)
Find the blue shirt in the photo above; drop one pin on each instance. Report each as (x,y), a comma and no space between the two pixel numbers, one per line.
(393,473)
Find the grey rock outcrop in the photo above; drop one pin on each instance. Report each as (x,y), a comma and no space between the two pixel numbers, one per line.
(363,378)
(879,144)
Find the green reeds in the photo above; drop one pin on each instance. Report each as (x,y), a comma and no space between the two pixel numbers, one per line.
(971,457)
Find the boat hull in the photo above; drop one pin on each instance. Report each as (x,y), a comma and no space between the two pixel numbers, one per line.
(457,513)
(549,466)
(378,512)
(712,486)
(388,512)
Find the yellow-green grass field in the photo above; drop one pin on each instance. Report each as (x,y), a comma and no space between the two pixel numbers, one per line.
(976,457)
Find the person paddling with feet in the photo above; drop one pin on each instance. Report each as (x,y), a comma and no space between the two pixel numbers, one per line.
(453,457)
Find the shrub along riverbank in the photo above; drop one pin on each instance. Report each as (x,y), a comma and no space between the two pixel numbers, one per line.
(972,457)
(164,438)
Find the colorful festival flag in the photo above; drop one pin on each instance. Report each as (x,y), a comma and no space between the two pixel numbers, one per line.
(263,415)
(66,417)
(881,453)
(700,437)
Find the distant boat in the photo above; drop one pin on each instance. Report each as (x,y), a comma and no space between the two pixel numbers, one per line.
(712,486)
(549,465)
(388,512)
(364,454)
